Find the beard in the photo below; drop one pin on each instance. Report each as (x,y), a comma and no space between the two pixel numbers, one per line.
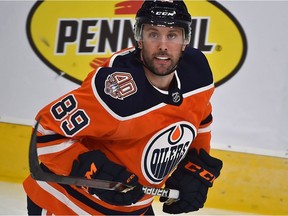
(154,65)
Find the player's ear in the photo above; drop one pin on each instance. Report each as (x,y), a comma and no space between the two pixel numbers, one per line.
(183,47)
(140,44)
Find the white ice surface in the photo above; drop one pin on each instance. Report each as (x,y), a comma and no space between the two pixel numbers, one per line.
(13,202)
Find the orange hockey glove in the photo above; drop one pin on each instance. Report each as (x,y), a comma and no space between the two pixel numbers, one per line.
(193,176)
(95,164)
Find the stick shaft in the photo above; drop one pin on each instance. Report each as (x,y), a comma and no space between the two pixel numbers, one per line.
(38,174)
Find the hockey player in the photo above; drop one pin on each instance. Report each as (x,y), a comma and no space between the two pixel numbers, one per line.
(141,119)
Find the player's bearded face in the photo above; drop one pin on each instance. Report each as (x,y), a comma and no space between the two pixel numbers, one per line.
(161,48)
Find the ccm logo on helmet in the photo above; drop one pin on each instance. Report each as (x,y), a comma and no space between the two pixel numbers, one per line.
(165,150)
(165,13)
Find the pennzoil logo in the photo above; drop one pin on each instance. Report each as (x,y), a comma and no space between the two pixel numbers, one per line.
(74,41)
(165,150)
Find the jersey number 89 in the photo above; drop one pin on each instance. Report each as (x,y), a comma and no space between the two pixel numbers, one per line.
(72,119)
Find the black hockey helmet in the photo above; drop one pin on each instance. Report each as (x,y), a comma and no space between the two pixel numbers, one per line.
(166,13)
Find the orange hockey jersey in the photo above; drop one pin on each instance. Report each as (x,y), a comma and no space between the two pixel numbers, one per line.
(135,124)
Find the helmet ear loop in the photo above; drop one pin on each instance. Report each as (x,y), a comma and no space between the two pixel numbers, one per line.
(186,39)
(138,36)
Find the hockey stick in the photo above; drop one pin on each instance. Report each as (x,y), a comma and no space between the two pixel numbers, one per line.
(38,174)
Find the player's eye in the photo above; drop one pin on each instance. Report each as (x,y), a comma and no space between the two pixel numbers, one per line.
(153,35)
(171,36)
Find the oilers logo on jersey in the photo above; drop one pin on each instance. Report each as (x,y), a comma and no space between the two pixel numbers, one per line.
(166,149)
